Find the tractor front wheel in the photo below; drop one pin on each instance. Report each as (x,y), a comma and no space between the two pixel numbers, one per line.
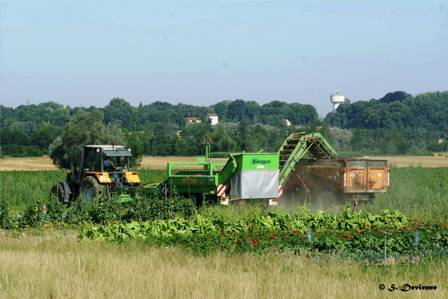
(91,188)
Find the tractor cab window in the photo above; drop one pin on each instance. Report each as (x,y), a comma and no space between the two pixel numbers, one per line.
(115,163)
(92,159)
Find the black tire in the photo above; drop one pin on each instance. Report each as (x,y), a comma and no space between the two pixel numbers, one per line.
(91,188)
(59,191)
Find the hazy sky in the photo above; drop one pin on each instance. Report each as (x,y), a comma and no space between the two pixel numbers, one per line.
(201,52)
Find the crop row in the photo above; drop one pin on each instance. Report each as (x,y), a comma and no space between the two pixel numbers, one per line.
(355,234)
(144,206)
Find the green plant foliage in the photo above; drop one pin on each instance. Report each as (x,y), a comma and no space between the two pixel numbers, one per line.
(55,210)
(102,209)
(398,123)
(83,128)
(5,221)
(33,130)
(21,187)
(34,215)
(105,209)
(78,212)
(420,193)
(153,205)
(357,234)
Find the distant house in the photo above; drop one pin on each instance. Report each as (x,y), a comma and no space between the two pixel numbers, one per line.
(213,118)
(192,120)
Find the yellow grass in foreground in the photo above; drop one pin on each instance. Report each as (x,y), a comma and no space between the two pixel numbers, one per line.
(44,163)
(56,266)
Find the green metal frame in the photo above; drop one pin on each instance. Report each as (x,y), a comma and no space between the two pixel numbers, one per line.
(193,180)
(304,145)
(204,176)
(196,179)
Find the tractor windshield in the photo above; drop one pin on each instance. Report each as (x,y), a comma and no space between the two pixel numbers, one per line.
(115,163)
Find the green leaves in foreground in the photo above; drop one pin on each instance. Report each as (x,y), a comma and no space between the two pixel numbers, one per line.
(102,210)
(355,234)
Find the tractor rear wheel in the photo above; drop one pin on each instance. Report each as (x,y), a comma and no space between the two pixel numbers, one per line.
(91,188)
(58,191)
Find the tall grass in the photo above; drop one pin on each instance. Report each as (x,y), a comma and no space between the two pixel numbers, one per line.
(420,193)
(54,265)
(149,176)
(19,188)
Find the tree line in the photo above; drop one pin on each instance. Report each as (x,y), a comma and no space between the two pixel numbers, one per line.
(29,130)
(398,123)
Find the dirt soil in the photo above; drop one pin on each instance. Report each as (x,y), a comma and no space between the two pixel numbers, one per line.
(44,163)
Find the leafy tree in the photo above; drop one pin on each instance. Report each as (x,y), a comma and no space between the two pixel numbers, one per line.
(84,128)
(395,96)
(396,123)
(135,140)
(118,110)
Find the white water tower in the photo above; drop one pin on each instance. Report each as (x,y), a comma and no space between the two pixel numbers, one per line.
(336,99)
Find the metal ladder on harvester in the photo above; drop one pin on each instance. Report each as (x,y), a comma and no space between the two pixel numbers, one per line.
(296,146)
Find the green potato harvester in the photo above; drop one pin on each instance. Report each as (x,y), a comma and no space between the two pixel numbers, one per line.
(304,163)
(244,176)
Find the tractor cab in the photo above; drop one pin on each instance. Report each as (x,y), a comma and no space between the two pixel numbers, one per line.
(110,158)
(102,169)
(109,165)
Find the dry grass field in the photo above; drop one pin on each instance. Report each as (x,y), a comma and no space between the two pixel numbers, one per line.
(56,265)
(415,161)
(29,163)
(44,163)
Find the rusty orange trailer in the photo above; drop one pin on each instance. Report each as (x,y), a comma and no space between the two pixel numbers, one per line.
(357,179)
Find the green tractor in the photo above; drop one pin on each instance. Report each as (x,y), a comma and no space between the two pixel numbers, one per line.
(103,169)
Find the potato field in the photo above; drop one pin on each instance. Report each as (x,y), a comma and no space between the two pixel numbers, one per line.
(399,238)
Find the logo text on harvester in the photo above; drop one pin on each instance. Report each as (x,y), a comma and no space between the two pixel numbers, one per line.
(260,161)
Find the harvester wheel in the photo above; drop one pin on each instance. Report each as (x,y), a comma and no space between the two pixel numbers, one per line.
(91,188)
